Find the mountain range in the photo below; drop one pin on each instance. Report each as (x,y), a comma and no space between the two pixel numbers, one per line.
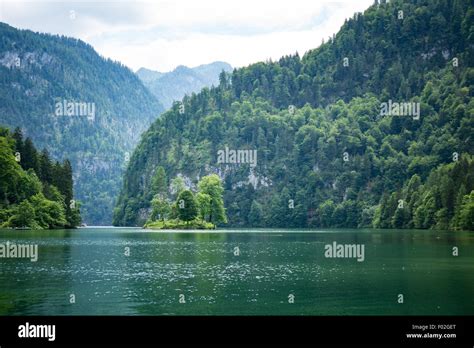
(174,85)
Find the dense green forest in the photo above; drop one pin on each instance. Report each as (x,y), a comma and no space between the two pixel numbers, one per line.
(328,153)
(35,191)
(37,71)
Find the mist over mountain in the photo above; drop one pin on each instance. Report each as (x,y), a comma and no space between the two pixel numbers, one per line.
(174,85)
(78,105)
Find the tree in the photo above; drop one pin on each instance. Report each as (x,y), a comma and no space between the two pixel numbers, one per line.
(9,174)
(212,186)
(24,216)
(223,81)
(187,207)
(256,214)
(177,185)
(466,214)
(18,137)
(29,157)
(159,184)
(326,211)
(400,217)
(46,167)
(204,202)
(160,208)
(66,189)
(49,214)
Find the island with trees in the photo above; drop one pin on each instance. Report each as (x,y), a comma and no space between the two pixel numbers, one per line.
(201,210)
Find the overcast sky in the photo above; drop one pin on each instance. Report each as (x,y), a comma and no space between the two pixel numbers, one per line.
(163,34)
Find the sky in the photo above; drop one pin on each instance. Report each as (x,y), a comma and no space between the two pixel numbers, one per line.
(163,34)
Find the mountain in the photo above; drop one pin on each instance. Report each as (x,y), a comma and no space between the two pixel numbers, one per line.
(371,129)
(173,86)
(148,76)
(78,105)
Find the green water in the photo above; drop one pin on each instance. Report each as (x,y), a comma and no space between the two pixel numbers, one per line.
(272,265)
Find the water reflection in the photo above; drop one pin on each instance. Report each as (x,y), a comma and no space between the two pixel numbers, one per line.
(93,264)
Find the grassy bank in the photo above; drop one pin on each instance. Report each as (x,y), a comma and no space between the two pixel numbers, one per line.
(177,224)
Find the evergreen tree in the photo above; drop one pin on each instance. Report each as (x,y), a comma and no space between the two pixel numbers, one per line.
(159,184)
(29,157)
(45,167)
(18,137)
(187,207)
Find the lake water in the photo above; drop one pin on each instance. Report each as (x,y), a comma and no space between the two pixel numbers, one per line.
(237,272)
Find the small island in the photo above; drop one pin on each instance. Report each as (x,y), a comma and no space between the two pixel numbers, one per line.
(202,210)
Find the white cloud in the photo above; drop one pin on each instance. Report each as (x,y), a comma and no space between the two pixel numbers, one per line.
(165,33)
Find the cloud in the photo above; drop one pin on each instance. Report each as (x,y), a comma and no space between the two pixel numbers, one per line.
(166,33)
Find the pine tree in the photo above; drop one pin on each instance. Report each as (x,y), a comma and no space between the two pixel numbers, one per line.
(18,137)
(29,157)
(187,207)
(45,167)
(159,183)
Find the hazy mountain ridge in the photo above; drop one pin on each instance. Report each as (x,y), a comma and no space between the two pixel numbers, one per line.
(38,71)
(173,85)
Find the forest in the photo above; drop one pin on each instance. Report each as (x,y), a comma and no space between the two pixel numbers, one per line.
(328,156)
(38,71)
(35,191)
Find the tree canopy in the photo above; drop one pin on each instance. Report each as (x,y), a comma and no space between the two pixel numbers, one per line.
(35,192)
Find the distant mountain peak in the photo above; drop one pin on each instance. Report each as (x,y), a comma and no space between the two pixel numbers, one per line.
(174,85)
(41,71)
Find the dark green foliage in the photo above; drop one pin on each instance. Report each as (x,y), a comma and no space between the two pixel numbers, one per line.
(159,183)
(436,204)
(322,141)
(465,218)
(30,199)
(186,205)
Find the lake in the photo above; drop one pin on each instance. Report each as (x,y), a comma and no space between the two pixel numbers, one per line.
(131,271)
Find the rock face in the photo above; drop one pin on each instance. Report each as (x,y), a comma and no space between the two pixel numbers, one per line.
(40,70)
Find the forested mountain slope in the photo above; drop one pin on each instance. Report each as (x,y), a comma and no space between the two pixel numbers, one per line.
(35,192)
(373,128)
(78,105)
